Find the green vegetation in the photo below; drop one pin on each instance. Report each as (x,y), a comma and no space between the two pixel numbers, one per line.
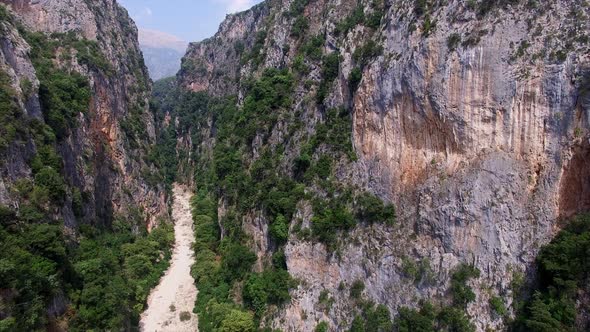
(497,305)
(63,95)
(355,18)
(364,54)
(10,114)
(359,17)
(107,277)
(330,69)
(453,41)
(446,318)
(313,48)
(374,318)
(248,181)
(321,327)
(297,7)
(357,288)
(372,209)
(300,26)
(116,271)
(563,270)
(356,75)
(104,274)
(430,318)
(462,293)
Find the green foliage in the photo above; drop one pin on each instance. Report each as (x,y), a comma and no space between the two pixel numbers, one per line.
(484,7)
(106,278)
(49,179)
(10,113)
(453,40)
(355,18)
(236,261)
(328,219)
(410,320)
(313,47)
(563,269)
(269,287)
(63,95)
(430,319)
(356,289)
(279,229)
(354,79)
(321,327)
(297,7)
(330,68)
(4,15)
(237,321)
(428,26)
(462,293)
(335,132)
(372,209)
(117,271)
(497,305)
(454,319)
(256,56)
(300,26)
(373,319)
(184,316)
(367,52)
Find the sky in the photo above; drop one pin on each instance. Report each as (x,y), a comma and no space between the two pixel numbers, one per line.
(190,20)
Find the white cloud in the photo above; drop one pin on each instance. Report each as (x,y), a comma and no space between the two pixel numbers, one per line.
(145,14)
(233,6)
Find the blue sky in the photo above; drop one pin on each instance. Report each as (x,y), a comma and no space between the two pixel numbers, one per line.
(191,20)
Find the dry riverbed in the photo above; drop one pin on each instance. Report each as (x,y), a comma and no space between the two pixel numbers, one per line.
(170,304)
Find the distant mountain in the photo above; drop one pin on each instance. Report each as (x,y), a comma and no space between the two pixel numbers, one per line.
(162,52)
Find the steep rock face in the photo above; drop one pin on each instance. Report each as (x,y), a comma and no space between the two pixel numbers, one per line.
(474,121)
(102,159)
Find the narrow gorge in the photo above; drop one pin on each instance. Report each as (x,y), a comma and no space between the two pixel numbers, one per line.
(316,165)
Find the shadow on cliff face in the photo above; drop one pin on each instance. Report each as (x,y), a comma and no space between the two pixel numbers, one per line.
(575,184)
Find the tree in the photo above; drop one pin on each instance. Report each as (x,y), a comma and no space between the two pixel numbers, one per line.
(279,229)
(237,321)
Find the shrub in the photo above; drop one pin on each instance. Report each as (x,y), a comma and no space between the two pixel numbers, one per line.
(237,321)
(300,26)
(269,287)
(321,327)
(354,79)
(279,229)
(462,293)
(372,209)
(453,41)
(355,18)
(236,261)
(49,179)
(330,69)
(328,220)
(364,54)
(313,47)
(356,289)
(184,316)
(497,305)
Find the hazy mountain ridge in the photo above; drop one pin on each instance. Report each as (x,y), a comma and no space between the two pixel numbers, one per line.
(162,52)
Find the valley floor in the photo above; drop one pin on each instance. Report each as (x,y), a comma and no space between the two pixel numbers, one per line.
(170,305)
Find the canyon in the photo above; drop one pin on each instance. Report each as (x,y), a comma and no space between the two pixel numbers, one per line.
(356,166)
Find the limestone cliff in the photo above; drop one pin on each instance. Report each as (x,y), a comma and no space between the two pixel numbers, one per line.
(472,117)
(104,154)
